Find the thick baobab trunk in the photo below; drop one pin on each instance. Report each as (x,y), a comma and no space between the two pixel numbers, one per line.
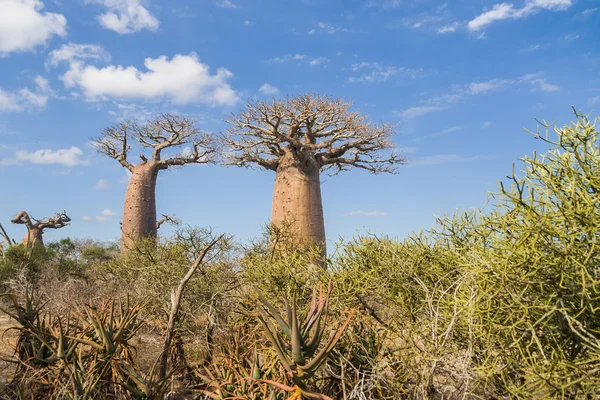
(33,237)
(297,200)
(139,211)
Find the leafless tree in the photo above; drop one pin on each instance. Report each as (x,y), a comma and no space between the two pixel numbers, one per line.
(35,227)
(298,137)
(164,132)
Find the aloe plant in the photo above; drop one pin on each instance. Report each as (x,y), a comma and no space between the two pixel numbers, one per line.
(297,344)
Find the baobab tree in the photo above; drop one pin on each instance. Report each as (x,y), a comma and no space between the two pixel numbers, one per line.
(36,227)
(298,138)
(164,132)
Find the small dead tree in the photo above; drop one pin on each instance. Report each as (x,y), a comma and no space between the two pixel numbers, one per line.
(176,297)
(298,137)
(164,132)
(35,227)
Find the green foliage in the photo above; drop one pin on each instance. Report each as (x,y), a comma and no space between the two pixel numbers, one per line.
(297,343)
(86,354)
(19,260)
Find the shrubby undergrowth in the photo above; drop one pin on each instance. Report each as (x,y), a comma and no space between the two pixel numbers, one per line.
(494,303)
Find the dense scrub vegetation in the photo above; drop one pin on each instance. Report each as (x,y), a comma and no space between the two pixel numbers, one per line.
(495,303)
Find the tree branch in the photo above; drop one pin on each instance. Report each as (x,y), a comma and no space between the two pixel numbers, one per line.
(312,125)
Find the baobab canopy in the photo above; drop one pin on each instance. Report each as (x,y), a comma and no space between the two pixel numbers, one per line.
(324,128)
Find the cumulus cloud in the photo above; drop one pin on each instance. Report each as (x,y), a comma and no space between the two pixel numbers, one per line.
(360,213)
(503,11)
(23,25)
(126,16)
(72,51)
(182,79)
(108,212)
(268,90)
(25,98)
(66,157)
(373,72)
(102,184)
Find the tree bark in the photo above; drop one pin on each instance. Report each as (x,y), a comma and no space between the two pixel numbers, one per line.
(33,237)
(139,211)
(297,199)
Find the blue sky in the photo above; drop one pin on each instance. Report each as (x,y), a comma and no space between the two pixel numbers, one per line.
(460,78)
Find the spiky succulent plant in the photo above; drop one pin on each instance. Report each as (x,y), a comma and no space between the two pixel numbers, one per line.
(297,344)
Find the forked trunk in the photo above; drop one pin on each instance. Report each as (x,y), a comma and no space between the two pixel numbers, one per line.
(139,211)
(297,200)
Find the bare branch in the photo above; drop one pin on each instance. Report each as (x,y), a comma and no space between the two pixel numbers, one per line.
(113,142)
(176,295)
(163,132)
(313,125)
(23,218)
(57,221)
(167,219)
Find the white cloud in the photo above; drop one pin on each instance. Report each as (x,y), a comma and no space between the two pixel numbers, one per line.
(66,157)
(86,218)
(268,90)
(594,100)
(488,86)
(312,61)
(23,26)
(226,4)
(108,212)
(448,28)
(126,16)
(182,79)
(288,57)
(415,112)
(589,11)
(72,51)
(538,83)
(125,111)
(373,72)
(571,36)
(360,213)
(318,61)
(503,11)
(460,92)
(101,218)
(327,28)
(487,124)
(102,184)
(24,98)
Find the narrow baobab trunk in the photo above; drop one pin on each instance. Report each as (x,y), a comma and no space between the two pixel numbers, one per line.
(139,211)
(297,199)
